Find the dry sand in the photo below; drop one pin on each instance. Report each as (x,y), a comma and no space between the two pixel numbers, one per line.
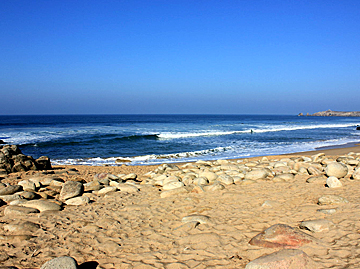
(142,230)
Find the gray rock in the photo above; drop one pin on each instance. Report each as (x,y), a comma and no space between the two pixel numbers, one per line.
(356,174)
(42,205)
(21,227)
(317,179)
(80,200)
(319,225)
(225,179)
(331,199)
(61,263)
(286,259)
(336,169)
(71,189)
(11,197)
(107,190)
(10,189)
(327,211)
(19,210)
(198,218)
(314,171)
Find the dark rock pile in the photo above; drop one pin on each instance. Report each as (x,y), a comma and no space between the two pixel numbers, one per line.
(12,160)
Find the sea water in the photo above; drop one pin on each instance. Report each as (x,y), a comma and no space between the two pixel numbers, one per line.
(154,139)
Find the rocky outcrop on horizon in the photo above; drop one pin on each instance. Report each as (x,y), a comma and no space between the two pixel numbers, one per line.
(330,113)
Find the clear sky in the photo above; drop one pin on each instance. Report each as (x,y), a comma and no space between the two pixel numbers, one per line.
(179,56)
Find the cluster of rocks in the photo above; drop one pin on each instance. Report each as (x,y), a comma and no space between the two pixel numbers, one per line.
(12,160)
(204,176)
(50,192)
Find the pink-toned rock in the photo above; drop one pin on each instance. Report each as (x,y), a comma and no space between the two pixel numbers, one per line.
(286,259)
(281,236)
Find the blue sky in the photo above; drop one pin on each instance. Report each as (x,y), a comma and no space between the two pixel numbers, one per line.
(194,57)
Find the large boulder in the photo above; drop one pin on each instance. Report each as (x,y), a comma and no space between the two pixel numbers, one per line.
(12,160)
(335,169)
(71,189)
(281,236)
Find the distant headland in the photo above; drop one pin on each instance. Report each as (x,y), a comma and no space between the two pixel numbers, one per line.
(330,113)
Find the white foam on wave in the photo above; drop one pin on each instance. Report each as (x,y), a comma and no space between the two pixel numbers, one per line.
(145,159)
(177,135)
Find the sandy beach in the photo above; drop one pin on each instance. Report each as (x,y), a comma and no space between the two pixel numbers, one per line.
(205,226)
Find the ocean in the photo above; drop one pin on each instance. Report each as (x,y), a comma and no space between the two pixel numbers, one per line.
(155,139)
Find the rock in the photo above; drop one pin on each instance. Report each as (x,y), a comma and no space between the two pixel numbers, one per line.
(27,195)
(173,185)
(80,200)
(20,237)
(11,197)
(331,199)
(270,204)
(214,187)
(127,188)
(356,174)
(43,163)
(92,186)
(42,205)
(71,189)
(318,157)
(47,181)
(317,179)
(131,176)
(225,179)
(333,182)
(21,227)
(327,211)
(107,190)
(19,210)
(27,185)
(211,176)
(202,219)
(10,190)
(173,192)
(283,259)
(65,262)
(281,236)
(314,171)
(256,174)
(336,169)
(316,226)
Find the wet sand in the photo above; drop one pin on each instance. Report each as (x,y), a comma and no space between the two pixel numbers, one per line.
(142,230)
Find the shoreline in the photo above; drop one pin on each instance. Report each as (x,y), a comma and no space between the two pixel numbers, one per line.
(143,169)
